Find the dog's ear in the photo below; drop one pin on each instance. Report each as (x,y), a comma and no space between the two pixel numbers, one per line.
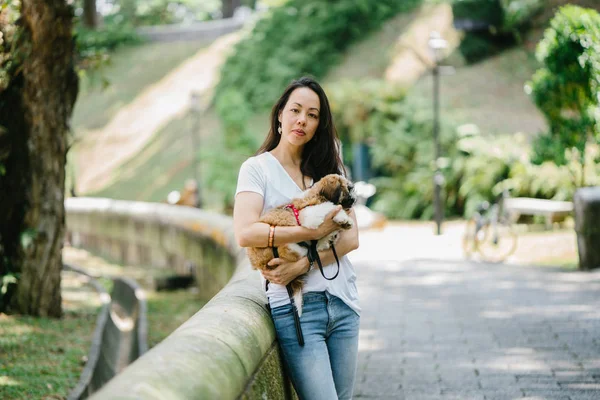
(331,192)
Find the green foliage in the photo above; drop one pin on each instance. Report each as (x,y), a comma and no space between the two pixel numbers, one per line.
(505,20)
(94,46)
(476,167)
(10,58)
(518,13)
(566,88)
(399,133)
(488,11)
(163,12)
(300,37)
(501,15)
(226,154)
(296,38)
(478,46)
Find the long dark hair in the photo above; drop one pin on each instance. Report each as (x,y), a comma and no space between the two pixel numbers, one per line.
(321,155)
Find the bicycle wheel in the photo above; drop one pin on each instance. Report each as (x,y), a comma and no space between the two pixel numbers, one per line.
(497,242)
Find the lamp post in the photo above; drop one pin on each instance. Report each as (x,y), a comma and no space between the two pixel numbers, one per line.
(195,143)
(437,46)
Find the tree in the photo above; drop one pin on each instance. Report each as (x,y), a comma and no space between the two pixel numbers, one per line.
(229,6)
(38,88)
(566,88)
(90,19)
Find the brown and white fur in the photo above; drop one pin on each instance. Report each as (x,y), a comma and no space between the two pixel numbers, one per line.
(313,206)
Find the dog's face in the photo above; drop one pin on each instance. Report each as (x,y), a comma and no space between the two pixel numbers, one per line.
(337,189)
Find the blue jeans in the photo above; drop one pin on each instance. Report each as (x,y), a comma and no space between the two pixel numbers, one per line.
(325,367)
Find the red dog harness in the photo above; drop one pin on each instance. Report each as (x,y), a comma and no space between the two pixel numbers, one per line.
(296,213)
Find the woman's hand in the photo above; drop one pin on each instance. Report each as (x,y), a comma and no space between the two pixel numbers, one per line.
(328,225)
(284,272)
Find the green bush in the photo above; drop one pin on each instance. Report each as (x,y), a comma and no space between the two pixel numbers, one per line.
(505,20)
(488,11)
(518,13)
(477,46)
(163,12)
(112,35)
(476,167)
(566,88)
(298,38)
(399,133)
(226,154)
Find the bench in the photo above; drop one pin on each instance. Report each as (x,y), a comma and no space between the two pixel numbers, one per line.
(550,209)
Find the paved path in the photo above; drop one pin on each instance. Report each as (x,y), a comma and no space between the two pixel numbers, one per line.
(438,327)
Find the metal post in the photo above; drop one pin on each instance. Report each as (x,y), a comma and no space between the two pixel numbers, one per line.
(438,178)
(195,143)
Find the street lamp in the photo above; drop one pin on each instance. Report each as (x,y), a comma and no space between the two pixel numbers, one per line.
(195,107)
(437,46)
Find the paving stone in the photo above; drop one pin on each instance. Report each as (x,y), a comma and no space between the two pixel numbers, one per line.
(485,332)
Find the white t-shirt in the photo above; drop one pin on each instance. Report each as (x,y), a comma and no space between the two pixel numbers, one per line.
(263,174)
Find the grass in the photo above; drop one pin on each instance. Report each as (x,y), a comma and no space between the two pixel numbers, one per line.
(166,162)
(168,310)
(42,358)
(370,57)
(489,94)
(128,74)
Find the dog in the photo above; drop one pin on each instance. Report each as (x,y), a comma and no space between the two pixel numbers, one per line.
(312,207)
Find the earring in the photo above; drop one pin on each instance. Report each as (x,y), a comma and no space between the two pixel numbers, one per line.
(279,129)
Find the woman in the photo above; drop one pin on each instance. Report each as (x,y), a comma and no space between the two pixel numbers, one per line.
(302,147)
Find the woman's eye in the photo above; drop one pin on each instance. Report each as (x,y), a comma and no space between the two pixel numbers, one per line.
(295,110)
(313,116)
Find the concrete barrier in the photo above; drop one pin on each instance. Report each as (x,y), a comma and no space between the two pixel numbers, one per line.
(228,349)
(208,30)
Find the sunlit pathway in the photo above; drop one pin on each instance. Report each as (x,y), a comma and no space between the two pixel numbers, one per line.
(451,329)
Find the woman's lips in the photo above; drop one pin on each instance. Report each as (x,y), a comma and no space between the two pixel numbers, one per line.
(299,132)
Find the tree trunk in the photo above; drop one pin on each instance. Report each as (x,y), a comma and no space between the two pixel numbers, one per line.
(229,6)
(35,111)
(89,14)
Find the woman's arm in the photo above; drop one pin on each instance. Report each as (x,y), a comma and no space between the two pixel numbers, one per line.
(249,232)
(285,272)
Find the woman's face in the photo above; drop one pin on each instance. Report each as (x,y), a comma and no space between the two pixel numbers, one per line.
(300,116)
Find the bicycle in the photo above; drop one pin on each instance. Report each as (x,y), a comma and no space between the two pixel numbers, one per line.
(490,232)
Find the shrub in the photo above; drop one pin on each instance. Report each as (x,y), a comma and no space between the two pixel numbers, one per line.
(476,167)
(566,88)
(112,35)
(518,13)
(497,24)
(399,133)
(487,11)
(163,12)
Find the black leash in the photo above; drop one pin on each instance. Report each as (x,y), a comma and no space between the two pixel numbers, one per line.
(313,256)
(294,308)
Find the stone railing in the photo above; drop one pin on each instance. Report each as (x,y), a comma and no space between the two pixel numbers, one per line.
(208,30)
(228,349)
